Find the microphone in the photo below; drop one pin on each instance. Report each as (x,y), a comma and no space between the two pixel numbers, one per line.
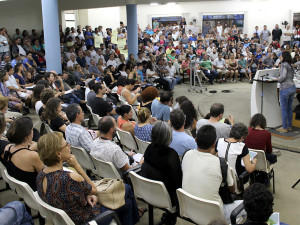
(266,75)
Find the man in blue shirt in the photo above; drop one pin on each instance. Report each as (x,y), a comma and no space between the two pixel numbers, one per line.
(88,37)
(181,141)
(193,38)
(29,62)
(161,108)
(140,72)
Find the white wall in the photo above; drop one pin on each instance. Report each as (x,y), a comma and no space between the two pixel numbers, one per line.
(265,12)
(256,12)
(106,17)
(23,15)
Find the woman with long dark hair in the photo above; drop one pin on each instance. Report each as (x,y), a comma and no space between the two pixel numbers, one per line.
(286,92)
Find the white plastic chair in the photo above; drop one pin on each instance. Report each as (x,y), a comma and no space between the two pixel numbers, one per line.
(4,174)
(47,128)
(127,139)
(199,210)
(142,145)
(263,165)
(96,117)
(24,191)
(152,192)
(57,216)
(83,158)
(60,217)
(188,132)
(105,169)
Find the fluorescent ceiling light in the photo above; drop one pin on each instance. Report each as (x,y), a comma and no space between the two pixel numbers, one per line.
(154,3)
(171,3)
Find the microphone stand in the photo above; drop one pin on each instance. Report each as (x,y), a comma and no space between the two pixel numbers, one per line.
(262,92)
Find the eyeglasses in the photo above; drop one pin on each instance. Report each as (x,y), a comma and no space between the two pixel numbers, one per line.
(66,146)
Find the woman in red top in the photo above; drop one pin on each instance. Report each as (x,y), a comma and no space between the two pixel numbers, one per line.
(259,138)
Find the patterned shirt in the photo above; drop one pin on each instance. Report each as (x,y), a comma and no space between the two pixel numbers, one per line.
(78,136)
(109,151)
(160,68)
(67,194)
(143,133)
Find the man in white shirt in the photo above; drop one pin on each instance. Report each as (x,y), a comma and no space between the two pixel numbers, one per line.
(210,49)
(256,31)
(112,61)
(98,56)
(4,45)
(202,174)
(214,55)
(287,35)
(220,66)
(219,29)
(72,62)
(105,149)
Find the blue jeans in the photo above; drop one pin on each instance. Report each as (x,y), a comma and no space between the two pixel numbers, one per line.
(211,75)
(128,214)
(286,97)
(178,79)
(14,213)
(171,81)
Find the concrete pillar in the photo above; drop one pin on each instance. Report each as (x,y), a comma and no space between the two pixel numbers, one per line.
(132,30)
(51,35)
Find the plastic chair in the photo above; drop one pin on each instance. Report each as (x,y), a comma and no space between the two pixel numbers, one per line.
(188,132)
(83,158)
(47,128)
(199,210)
(4,174)
(142,145)
(154,193)
(263,165)
(60,217)
(95,117)
(105,169)
(25,192)
(202,211)
(127,139)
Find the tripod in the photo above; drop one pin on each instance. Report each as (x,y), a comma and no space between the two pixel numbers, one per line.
(296,183)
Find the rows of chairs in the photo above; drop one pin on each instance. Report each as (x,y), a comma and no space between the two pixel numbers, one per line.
(193,209)
(45,211)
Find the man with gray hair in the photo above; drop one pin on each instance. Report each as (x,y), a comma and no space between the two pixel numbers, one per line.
(216,115)
(76,134)
(181,141)
(93,69)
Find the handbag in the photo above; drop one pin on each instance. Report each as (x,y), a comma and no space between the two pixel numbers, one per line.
(224,192)
(111,193)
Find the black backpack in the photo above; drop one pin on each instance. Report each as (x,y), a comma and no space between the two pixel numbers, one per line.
(224,192)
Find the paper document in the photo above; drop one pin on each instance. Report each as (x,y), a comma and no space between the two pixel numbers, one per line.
(69,91)
(274,219)
(137,157)
(252,155)
(30,87)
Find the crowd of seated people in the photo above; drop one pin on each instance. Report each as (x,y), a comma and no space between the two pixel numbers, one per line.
(92,76)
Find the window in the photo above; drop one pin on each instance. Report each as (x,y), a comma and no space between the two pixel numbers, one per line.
(229,19)
(70,20)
